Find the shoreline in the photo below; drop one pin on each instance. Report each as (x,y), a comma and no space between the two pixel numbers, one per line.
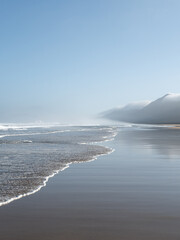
(130,194)
(60,170)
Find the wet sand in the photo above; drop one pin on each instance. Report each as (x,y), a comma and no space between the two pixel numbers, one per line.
(130,194)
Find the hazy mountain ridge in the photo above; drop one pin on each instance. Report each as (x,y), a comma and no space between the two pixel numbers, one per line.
(164,110)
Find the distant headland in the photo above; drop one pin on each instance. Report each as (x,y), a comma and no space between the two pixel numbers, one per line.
(164,110)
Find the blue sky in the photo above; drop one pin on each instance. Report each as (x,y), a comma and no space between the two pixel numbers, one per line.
(67,60)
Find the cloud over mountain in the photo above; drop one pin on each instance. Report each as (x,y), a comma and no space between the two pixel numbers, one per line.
(164,110)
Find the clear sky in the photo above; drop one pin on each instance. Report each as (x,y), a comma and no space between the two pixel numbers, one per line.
(63,60)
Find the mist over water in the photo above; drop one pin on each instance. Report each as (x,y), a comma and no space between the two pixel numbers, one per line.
(164,110)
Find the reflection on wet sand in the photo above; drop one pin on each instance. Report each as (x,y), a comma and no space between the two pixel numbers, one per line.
(165,141)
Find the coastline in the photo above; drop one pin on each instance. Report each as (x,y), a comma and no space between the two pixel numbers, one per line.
(130,194)
(93,158)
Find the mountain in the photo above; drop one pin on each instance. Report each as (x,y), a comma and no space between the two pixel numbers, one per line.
(164,110)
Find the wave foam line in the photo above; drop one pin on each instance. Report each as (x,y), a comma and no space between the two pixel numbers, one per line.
(57,171)
(104,139)
(34,191)
(33,134)
(52,175)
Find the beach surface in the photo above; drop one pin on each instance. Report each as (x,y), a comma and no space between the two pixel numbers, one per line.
(132,193)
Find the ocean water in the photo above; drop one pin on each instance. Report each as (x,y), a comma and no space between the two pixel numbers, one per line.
(29,155)
(132,193)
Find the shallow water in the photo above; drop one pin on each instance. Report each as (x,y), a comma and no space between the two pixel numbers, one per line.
(130,194)
(28,156)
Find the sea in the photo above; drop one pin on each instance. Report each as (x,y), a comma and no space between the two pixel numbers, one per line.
(132,193)
(31,154)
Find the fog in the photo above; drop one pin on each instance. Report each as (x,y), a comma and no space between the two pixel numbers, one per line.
(164,110)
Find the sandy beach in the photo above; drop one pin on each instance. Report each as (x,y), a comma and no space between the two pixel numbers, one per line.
(130,194)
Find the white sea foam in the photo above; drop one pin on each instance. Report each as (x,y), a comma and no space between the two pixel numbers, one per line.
(33,134)
(23,126)
(34,191)
(110,150)
(52,175)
